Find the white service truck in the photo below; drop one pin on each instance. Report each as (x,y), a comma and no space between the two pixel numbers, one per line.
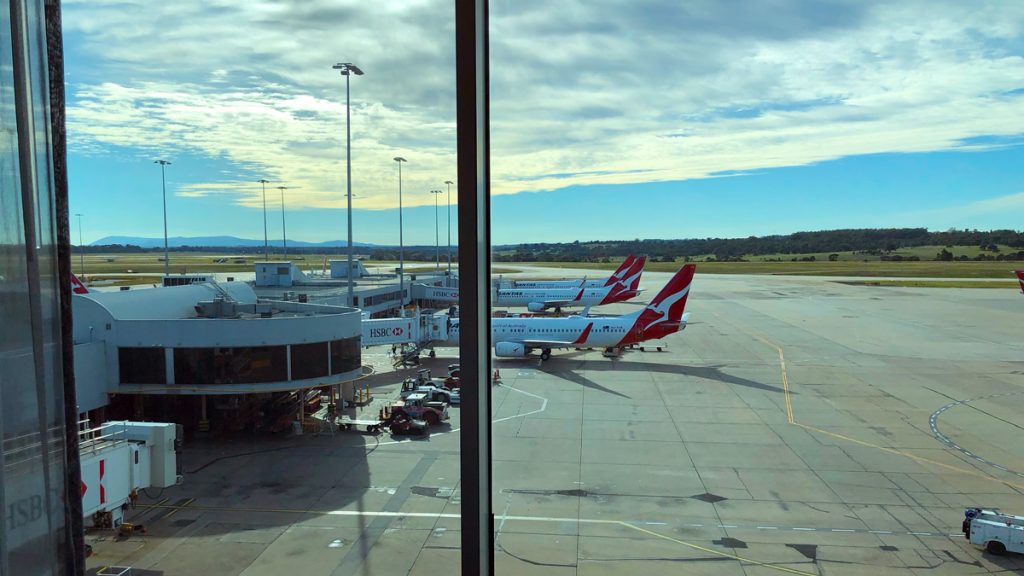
(996,531)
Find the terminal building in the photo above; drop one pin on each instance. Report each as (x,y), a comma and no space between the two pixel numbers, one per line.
(134,349)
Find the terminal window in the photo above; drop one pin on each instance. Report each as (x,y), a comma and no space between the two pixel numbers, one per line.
(142,365)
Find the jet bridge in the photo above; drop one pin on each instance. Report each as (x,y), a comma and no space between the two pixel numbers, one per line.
(417,328)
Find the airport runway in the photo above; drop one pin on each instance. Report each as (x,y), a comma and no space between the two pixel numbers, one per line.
(797,426)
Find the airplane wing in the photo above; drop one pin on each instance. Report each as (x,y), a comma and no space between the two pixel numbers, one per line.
(564,302)
(549,344)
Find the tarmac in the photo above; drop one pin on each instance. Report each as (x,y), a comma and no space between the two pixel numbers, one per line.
(797,426)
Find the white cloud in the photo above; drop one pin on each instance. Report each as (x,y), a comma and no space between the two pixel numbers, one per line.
(583,92)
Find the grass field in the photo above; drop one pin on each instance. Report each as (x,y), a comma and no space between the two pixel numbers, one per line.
(924,269)
(1002,285)
(189,262)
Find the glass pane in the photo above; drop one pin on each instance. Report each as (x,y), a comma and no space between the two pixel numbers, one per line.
(32,474)
(142,365)
(310,360)
(846,178)
(228,130)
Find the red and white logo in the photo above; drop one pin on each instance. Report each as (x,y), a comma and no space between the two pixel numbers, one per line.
(397,330)
(1020,276)
(77,287)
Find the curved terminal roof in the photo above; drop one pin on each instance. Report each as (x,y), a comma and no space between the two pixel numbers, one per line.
(171,303)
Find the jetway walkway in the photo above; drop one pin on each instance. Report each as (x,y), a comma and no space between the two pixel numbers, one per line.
(408,335)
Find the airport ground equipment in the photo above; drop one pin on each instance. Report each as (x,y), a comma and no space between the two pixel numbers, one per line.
(397,422)
(417,406)
(996,531)
(118,460)
(370,425)
(434,393)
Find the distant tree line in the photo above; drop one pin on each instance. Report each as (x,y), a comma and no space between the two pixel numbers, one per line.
(412,253)
(880,242)
(874,241)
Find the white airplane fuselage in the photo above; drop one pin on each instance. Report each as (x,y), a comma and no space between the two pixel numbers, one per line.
(605,332)
(553,284)
(543,299)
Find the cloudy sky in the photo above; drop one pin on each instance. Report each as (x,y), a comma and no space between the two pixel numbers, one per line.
(610,119)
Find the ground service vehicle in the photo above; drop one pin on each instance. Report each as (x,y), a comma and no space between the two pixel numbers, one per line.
(996,531)
(417,406)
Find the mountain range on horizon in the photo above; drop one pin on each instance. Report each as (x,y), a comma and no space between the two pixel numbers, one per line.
(217,242)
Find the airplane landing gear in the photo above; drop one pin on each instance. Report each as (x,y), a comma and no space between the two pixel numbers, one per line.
(545,354)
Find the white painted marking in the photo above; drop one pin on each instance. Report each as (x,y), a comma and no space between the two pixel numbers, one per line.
(920,533)
(879,531)
(656,523)
(767,527)
(842,530)
(726,525)
(806,529)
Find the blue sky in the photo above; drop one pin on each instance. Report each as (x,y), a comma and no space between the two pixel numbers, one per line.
(669,120)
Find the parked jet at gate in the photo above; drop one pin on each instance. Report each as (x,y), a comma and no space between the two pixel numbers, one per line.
(543,299)
(624,270)
(518,337)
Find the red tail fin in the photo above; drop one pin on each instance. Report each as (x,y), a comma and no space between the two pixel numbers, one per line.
(77,287)
(672,298)
(620,272)
(1020,276)
(632,278)
(663,316)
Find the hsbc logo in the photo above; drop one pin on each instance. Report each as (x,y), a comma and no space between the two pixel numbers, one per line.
(396,331)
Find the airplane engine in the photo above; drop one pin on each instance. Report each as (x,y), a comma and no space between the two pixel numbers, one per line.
(509,350)
(535,306)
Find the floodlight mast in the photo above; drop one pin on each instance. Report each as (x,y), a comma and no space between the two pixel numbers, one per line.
(347,69)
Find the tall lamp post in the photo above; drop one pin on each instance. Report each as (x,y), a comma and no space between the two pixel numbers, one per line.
(437,236)
(449,183)
(401,240)
(81,247)
(284,231)
(347,69)
(163,185)
(266,241)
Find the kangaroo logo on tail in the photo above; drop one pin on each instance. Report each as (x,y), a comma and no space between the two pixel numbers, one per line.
(621,271)
(664,315)
(77,287)
(1020,277)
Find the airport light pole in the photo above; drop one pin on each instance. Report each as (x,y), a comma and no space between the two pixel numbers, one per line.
(266,240)
(284,231)
(437,236)
(401,240)
(347,69)
(163,184)
(449,219)
(81,247)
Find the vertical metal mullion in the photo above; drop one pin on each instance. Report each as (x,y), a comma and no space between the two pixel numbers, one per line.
(472,115)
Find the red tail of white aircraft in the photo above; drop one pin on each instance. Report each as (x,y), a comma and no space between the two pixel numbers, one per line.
(628,286)
(622,271)
(77,287)
(665,314)
(1020,277)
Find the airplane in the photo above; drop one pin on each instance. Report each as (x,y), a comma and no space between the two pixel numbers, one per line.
(539,300)
(620,273)
(518,337)
(1020,277)
(77,287)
